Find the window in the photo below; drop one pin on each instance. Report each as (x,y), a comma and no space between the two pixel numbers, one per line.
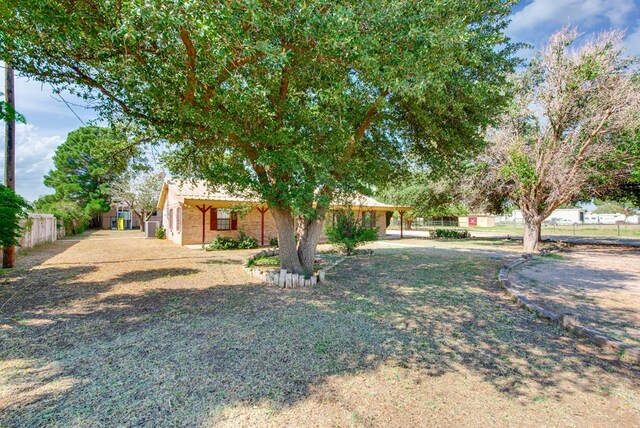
(223,219)
(171,219)
(179,219)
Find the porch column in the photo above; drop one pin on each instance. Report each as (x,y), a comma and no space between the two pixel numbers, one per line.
(401,223)
(203,210)
(262,211)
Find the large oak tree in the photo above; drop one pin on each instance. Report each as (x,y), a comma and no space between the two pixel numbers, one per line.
(289,100)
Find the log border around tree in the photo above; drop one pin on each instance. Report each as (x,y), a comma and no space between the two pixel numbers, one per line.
(567,321)
(283,278)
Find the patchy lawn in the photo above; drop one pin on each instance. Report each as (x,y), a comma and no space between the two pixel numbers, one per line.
(115,330)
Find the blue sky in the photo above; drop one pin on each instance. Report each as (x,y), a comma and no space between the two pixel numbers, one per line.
(49,119)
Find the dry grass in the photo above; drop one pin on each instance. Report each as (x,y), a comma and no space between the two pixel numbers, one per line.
(117,331)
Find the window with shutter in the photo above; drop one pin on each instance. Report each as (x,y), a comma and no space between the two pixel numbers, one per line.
(213,224)
(234,221)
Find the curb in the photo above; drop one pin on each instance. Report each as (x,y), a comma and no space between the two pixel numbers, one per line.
(567,321)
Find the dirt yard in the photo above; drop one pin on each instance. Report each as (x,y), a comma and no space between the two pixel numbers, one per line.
(599,284)
(114,330)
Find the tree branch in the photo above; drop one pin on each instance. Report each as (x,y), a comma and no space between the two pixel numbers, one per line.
(191,65)
(367,120)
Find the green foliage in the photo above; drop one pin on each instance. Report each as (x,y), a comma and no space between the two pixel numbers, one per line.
(430,195)
(139,191)
(273,242)
(243,241)
(85,166)
(90,159)
(223,243)
(450,233)
(348,232)
(8,113)
(246,242)
(628,189)
(614,207)
(279,98)
(265,261)
(241,209)
(72,215)
(13,207)
(161,232)
(519,168)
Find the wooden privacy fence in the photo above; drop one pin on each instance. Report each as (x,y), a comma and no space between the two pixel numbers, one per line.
(38,229)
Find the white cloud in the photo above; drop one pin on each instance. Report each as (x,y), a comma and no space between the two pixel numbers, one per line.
(34,153)
(583,13)
(632,41)
(33,97)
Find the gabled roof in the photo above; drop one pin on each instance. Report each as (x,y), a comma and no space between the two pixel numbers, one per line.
(184,192)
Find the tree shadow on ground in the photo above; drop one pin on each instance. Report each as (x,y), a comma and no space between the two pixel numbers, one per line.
(178,356)
(602,298)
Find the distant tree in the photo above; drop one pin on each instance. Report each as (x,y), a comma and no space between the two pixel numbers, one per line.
(290,101)
(628,190)
(560,142)
(430,196)
(72,216)
(85,166)
(140,192)
(13,207)
(614,207)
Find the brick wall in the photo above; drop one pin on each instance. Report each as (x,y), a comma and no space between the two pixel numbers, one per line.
(191,233)
(192,226)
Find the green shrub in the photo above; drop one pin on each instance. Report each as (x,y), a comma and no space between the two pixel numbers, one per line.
(13,207)
(246,242)
(265,261)
(223,243)
(243,242)
(348,233)
(161,232)
(71,215)
(450,233)
(273,242)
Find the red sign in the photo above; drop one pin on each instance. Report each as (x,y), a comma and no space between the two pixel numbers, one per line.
(473,221)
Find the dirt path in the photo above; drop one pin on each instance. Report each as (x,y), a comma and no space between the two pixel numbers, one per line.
(114,330)
(600,284)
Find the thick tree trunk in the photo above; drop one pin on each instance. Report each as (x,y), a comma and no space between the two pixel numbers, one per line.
(309,231)
(141,219)
(297,257)
(286,240)
(531,235)
(408,223)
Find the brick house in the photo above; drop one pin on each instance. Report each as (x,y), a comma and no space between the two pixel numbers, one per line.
(121,215)
(194,214)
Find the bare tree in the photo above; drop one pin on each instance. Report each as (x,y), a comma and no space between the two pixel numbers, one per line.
(560,140)
(139,192)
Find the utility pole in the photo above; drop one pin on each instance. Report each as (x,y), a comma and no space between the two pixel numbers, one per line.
(9,252)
